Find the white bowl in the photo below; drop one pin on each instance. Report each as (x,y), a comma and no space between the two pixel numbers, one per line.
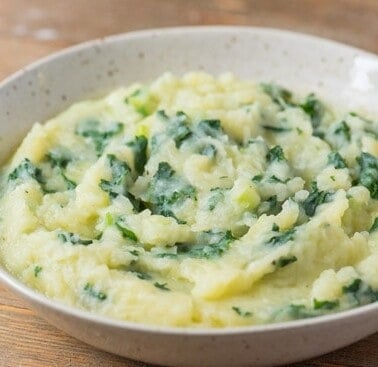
(342,75)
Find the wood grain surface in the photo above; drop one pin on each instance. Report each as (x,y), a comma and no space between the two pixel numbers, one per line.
(30,29)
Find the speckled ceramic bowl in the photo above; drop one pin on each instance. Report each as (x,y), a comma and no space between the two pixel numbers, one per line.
(342,75)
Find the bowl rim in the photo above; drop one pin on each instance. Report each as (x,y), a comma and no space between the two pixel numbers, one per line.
(29,294)
(166,31)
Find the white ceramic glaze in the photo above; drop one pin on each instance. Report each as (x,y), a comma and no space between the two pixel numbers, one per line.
(345,76)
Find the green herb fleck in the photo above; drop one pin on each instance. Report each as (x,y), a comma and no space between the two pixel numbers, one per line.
(210,127)
(73,238)
(37,270)
(141,275)
(162,286)
(242,313)
(374,226)
(109,220)
(298,311)
(343,130)
(257,178)
(162,115)
(142,101)
(134,252)
(325,305)
(89,288)
(276,129)
(59,159)
(284,260)
(274,178)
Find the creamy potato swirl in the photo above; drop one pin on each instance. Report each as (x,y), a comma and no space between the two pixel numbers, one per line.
(196,201)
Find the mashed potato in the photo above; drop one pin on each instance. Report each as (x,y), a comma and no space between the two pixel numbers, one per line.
(196,202)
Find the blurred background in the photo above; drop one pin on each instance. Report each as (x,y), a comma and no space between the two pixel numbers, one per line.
(30,29)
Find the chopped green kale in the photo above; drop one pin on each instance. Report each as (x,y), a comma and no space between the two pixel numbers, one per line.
(313,108)
(298,312)
(314,199)
(120,179)
(139,147)
(368,176)
(352,287)
(59,158)
(360,292)
(279,95)
(73,238)
(126,232)
(343,130)
(281,238)
(209,128)
(270,206)
(257,178)
(211,244)
(26,170)
(275,154)
(98,135)
(167,189)
(216,197)
(179,128)
(336,160)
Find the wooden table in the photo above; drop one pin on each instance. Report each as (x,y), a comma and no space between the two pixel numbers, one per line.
(30,29)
